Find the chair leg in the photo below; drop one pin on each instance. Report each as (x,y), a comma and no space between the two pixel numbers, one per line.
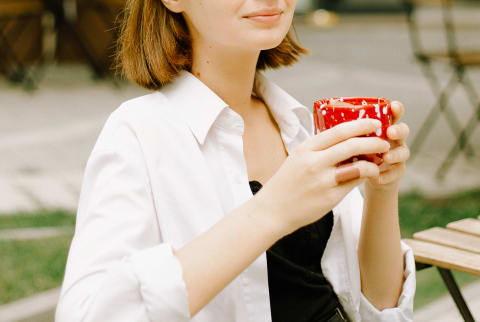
(452,287)
(73,30)
(108,17)
(440,106)
(474,99)
(13,65)
(461,139)
(19,73)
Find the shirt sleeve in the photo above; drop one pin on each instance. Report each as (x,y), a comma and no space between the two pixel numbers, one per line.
(341,267)
(404,309)
(118,267)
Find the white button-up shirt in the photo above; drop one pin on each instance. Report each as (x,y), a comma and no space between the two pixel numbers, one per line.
(165,168)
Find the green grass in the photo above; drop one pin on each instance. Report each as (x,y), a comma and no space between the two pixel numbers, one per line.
(28,267)
(419,213)
(31,266)
(43,218)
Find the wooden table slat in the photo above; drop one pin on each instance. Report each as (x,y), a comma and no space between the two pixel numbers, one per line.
(445,257)
(467,225)
(450,238)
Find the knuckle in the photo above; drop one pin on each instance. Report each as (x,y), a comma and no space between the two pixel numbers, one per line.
(381,144)
(343,150)
(308,164)
(389,157)
(346,146)
(298,150)
(367,168)
(342,130)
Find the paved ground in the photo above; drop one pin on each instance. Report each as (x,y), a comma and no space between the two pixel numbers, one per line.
(34,233)
(444,309)
(36,308)
(47,135)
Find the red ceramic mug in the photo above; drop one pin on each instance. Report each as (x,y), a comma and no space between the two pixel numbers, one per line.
(332,111)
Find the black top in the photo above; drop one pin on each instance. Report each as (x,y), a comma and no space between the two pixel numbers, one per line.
(298,290)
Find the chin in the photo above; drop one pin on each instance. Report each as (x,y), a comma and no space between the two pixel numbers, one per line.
(264,43)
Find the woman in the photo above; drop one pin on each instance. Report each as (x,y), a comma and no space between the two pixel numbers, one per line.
(168,228)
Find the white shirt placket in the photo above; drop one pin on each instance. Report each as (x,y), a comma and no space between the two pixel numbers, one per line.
(231,127)
(254,279)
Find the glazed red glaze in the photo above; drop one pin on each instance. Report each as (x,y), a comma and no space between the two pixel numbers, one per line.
(332,111)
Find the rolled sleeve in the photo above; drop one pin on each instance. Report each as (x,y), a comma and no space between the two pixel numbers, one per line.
(404,310)
(119,267)
(341,267)
(159,274)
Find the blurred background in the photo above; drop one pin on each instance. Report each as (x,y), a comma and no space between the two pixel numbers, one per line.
(57,88)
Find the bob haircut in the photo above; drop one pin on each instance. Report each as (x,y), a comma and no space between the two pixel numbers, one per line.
(154,45)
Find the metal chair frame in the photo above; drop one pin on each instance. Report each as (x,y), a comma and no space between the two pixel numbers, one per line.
(459,77)
(453,289)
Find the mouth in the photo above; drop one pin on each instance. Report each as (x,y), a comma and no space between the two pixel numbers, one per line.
(266,16)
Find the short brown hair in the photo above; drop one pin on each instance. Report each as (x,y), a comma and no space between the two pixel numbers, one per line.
(154,45)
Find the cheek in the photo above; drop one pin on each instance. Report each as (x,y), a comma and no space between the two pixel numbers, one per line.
(209,18)
(218,21)
(291,4)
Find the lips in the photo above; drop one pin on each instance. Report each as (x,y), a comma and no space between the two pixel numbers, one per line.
(264,12)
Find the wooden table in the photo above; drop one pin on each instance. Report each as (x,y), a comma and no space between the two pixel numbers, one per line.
(456,247)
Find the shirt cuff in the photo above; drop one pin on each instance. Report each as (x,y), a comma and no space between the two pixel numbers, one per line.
(162,287)
(404,310)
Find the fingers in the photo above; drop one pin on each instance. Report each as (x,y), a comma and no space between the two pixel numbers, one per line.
(353,171)
(339,133)
(398,131)
(397,110)
(395,172)
(346,187)
(346,172)
(399,154)
(352,147)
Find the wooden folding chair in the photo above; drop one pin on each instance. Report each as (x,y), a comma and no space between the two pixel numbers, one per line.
(459,60)
(106,14)
(18,54)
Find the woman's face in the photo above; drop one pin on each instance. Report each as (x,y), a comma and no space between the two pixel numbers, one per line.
(227,23)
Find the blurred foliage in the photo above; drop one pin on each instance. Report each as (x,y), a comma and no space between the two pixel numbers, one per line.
(42,218)
(419,213)
(31,266)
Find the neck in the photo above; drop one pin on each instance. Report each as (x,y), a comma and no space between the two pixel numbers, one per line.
(230,73)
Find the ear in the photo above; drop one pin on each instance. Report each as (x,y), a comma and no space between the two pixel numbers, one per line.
(173,5)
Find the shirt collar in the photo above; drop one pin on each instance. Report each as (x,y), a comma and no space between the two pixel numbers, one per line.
(200,106)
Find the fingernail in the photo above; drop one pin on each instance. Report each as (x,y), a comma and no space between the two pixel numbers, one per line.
(378,123)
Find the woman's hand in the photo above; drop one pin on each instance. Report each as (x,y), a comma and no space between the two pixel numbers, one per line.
(393,166)
(305,187)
